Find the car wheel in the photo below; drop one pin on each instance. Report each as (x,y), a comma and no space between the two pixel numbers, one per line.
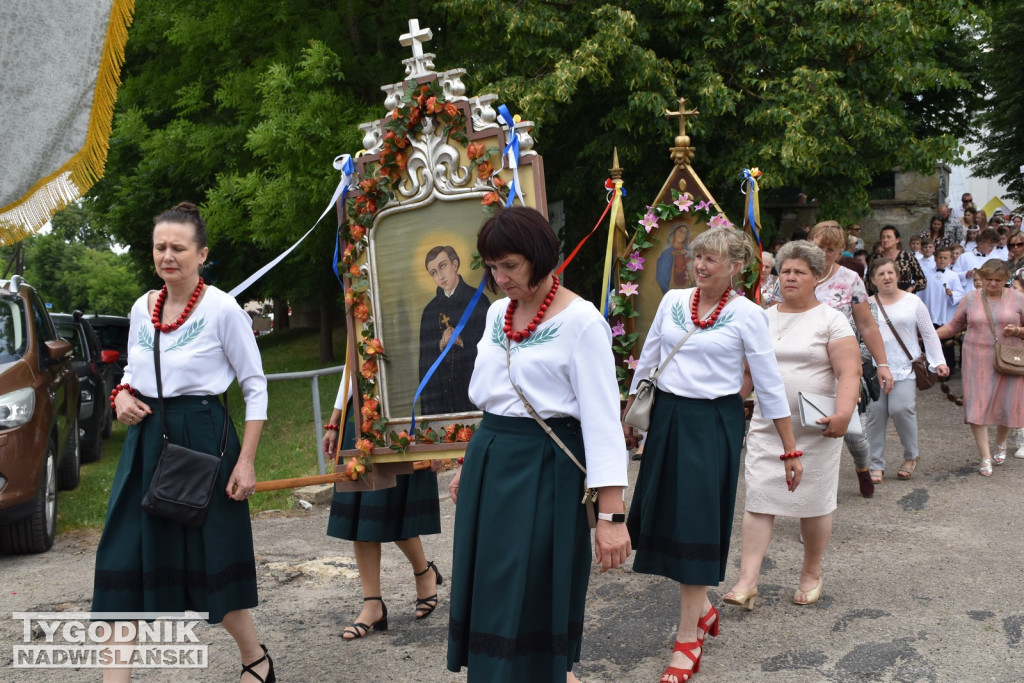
(108,424)
(35,533)
(70,471)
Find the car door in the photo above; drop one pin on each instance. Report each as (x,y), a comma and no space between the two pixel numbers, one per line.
(62,383)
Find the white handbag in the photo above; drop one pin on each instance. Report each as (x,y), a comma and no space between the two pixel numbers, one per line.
(813,407)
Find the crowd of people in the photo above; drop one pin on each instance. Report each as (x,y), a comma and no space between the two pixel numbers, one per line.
(829,355)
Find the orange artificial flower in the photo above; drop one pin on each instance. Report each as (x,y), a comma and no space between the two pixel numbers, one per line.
(450,109)
(373,346)
(475,150)
(366,426)
(484,170)
(497,181)
(354,270)
(491,198)
(364,445)
(361,312)
(350,297)
(464,434)
(356,231)
(369,369)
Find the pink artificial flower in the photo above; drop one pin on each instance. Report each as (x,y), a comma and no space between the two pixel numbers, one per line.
(649,221)
(629,288)
(630,362)
(636,262)
(703,206)
(618,330)
(683,201)
(719,221)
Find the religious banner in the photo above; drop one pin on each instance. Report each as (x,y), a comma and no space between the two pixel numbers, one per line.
(62,65)
(430,173)
(658,256)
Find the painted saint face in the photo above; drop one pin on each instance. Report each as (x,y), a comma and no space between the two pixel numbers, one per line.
(445,272)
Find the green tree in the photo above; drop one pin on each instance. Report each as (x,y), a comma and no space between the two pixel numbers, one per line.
(1003,135)
(820,95)
(71,275)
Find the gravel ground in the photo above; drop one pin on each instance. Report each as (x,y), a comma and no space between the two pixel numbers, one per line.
(921,583)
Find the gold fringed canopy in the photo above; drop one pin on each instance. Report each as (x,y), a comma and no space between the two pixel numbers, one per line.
(62,69)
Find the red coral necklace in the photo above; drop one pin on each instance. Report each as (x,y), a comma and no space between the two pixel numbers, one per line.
(520,335)
(708,322)
(158,308)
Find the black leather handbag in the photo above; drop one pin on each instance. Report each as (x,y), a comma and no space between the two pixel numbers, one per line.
(182,485)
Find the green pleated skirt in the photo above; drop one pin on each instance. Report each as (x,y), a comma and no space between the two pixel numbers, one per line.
(149,564)
(680,520)
(407,510)
(521,560)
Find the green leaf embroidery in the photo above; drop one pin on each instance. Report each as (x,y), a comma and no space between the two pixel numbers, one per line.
(682,320)
(539,337)
(497,334)
(191,332)
(146,338)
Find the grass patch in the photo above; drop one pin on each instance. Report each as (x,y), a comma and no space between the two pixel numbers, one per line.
(288,446)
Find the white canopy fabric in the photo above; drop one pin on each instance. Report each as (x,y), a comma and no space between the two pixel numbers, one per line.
(60,68)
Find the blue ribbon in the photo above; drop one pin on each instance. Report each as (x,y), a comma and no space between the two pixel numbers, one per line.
(451,342)
(348,168)
(511,153)
(749,183)
(342,163)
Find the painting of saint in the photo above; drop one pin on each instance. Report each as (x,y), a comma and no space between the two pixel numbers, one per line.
(447,390)
(674,262)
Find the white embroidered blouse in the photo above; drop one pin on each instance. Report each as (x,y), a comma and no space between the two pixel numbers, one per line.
(565,369)
(215,346)
(710,364)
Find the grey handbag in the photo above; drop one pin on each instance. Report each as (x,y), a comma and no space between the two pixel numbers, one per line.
(813,407)
(638,415)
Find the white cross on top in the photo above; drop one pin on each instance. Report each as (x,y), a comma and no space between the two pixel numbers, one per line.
(415,37)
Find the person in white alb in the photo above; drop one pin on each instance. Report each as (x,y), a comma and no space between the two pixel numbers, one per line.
(942,297)
(973,259)
(522,553)
(900,314)
(146,563)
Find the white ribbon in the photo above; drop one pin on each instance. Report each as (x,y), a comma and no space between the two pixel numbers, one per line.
(344,164)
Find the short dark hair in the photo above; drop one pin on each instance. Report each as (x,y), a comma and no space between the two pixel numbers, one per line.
(878,263)
(519,230)
(436,251)
(185,212)
(925,241)
(893,229)
(988,236)
(944,248)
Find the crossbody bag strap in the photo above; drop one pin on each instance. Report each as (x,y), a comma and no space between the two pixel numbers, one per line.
(656,373)
(160,398)
(891,327)
(988,314)
(533,413)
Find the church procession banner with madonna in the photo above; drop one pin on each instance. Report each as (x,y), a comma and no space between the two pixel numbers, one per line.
(430,173)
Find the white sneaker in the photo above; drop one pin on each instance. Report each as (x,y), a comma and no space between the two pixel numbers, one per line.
(1019,453)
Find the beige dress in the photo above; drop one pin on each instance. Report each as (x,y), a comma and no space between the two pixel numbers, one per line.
(801,341)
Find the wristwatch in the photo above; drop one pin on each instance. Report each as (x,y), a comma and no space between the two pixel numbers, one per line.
(617,517)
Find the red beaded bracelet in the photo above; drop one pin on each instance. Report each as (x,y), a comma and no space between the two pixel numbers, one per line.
(331,428)
(460,460)
(793,454)
(118,389)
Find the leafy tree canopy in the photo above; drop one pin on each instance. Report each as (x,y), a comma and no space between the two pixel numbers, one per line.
(1003,135)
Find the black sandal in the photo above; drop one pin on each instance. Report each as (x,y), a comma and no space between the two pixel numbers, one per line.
(248,668)
(426,606)
(359,629)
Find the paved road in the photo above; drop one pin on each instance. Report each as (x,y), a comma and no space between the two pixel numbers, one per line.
(922,583)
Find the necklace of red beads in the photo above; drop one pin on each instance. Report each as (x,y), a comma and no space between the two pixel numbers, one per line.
(520,335)
(709,321)
(158,308)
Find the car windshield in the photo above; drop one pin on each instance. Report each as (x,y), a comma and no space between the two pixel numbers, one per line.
(70,332)
(13,340)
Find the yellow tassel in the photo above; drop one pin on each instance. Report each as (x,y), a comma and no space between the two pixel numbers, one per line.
(67,184)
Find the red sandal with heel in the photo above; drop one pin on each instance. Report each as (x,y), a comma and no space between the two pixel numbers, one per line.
(687,649)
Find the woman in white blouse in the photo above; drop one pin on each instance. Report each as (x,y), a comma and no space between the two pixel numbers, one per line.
(909,316)
(680,519)
(521,558)
(149,564)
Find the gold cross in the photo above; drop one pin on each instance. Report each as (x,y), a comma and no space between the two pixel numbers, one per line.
(682,115)
(445,320)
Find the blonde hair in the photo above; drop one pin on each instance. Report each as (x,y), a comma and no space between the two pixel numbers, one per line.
(830,234)
(728,243)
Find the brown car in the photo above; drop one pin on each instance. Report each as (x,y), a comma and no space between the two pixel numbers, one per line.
(39,397)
